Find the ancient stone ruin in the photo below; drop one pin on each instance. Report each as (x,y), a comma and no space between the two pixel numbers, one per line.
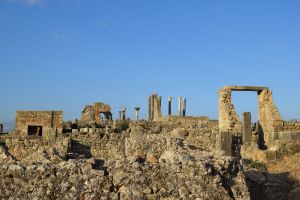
(38,123)
(91,113)
(270,126)
(164,157)
(154,107)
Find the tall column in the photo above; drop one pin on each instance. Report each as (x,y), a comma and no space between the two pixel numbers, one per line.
(137,109)
(120,115)
(1,128)
(184,107)
(179,106)
(123,113)
(149,108)
(169,105)
(246,127)
(152,107)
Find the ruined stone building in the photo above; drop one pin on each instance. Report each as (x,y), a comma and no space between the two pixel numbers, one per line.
(270,125)
(171,156)
(38,123)
(92,113)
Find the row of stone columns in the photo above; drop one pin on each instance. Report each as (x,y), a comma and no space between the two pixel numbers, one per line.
(151,107)
(122,113)
(181,106)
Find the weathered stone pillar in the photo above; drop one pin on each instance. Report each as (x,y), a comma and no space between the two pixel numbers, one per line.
(1,128)
(224,143)
(150,108)
(246,127)
(53,136)
(120,115)
(154,107)
(169,105)
(228,119)
(269,116)
(184,107)
(123,113)
(179,106)
(137,109)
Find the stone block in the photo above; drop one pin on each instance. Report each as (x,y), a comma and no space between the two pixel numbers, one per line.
(75,131)
(246,127)
(224,143)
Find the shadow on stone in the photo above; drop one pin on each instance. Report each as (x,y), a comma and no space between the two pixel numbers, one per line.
(268,186)
(78,151)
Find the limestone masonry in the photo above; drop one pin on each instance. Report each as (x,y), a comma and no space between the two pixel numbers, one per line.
(171,156)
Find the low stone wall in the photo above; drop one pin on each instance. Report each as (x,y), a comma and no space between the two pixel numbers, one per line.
(20,148)
(291,126)
(187,121)
(289,135)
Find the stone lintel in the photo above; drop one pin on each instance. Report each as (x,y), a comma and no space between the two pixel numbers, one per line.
(246,88)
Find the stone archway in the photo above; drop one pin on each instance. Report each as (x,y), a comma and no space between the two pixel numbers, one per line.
(268,114)
(91,113)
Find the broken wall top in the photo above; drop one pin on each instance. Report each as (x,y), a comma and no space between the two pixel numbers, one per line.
(245,88)
(102,107)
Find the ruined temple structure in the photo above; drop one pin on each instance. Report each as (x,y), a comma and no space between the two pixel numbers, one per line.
(165,157)
(39,123)
(91,113)
(270,125)
(154,107)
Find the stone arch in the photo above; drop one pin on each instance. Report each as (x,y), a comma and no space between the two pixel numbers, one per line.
(268,114)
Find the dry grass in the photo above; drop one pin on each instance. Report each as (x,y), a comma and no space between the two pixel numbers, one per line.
(289,164)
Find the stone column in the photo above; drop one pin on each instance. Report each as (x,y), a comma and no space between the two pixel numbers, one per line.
(179,106)
(123,113)
(169,105)
(184,107)
(120,115)
(246,127)
(1,128)
(137,109)
(224,143)
(154,107)
(150,108)
(52,136)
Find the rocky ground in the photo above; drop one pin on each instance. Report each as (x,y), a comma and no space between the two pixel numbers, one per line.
(277,179)
(173,176)
(144,162)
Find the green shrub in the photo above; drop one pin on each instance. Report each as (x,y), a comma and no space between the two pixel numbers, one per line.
(124,125)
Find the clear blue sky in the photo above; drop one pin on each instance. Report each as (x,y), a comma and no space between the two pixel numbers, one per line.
(64,54)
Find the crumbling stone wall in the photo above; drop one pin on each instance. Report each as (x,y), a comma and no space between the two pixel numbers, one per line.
(228,119)
(269,116)
(22,149)
(91,113)
(47,119)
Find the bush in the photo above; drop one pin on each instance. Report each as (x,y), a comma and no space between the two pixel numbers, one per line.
(124,125)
